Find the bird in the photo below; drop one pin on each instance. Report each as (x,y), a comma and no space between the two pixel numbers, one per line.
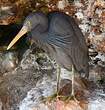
(60,37)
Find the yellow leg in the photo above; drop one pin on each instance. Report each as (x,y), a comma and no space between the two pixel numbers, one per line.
(58,84)
(58,79)
(72,90)
(56,95)
(72,97)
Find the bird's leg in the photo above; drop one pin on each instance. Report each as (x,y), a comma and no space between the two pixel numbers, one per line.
(58,96)
(58,79)
(72,90)
(55,95)
(72,97)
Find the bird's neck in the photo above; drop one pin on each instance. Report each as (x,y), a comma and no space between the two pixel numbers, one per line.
(41,36)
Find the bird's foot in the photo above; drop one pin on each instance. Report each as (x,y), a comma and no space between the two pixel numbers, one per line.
(56,97)
(50,98)
(72,97)
(61,97)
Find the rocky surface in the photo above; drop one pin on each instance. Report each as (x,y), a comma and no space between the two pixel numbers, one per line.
(28,76)
(32,83)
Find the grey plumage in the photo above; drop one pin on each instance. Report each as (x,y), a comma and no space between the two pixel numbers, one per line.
(60,37)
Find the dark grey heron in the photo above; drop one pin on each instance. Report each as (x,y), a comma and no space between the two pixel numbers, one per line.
(61,38)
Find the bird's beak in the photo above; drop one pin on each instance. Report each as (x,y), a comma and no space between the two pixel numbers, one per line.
(23,31)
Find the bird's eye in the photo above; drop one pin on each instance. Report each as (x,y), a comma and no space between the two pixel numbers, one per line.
(28,23)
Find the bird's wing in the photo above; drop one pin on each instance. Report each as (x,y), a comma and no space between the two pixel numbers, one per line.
(61,31)
(65,33)
(80,53)
(65,27)
(78,34)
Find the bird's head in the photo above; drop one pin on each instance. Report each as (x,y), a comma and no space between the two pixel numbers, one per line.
(35,21)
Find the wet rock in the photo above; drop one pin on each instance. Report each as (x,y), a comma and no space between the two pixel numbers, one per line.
(37,95)
(92,52)
(8,61)
(79,15)
(62,4)
(17,83)
(0,105)
(96,105)
(34,79)
(101,56)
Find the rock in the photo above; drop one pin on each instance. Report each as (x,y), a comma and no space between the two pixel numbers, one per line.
(62,4)
(8,61)
(79,15)
(1,105)
(34,78)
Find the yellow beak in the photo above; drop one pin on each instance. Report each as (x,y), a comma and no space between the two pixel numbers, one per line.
(23,31)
